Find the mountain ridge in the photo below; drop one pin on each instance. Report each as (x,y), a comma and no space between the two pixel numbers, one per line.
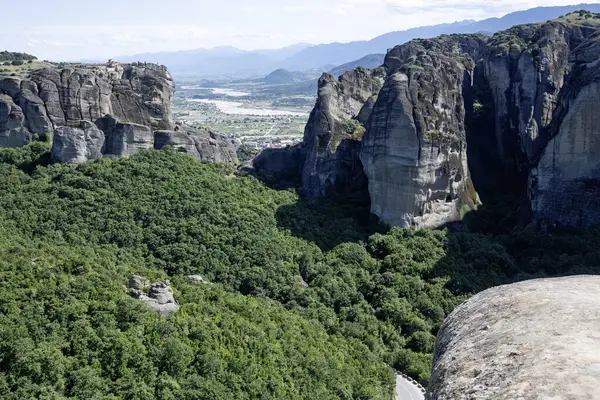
(324,57)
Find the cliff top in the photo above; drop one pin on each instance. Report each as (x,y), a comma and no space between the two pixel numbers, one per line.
(531,340)
(30,67)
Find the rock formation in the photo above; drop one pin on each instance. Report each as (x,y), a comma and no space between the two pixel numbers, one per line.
(565,184)
(415,150)
(159,297)
(12,131)
(203,144)
(124,138)
(334,131)
(137,94)
(516,112)
(196,280)
(78,143)
(130,104)
(513,342)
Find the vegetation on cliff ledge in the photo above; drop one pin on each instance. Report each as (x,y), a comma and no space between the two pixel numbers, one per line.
(71,236)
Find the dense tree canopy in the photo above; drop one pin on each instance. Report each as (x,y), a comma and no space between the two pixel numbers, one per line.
(72,235)
(12,56)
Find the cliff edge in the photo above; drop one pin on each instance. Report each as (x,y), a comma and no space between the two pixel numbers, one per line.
(532,340)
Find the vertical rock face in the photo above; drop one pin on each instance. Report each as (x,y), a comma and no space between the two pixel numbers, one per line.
(532,340)
(414,150)
(526,68)
(566,183)
(74,145)
(202,144)
(55,97)
(123,138)
(12,131)
(525,100)
(138,94)
(334,131)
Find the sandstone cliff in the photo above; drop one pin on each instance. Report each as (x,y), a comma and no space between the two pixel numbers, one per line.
(415,149)
(527,69)
(53,97)
(93,111)
(565,184)
(513,342)
(333,134)
(515,112)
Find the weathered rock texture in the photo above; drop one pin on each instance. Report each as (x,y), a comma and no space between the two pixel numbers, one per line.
(415,150)
(513,115)
(130,104)
(55,97)
(138,94)
(565,185)
(280,168)
(78,143)
(160,296)
(203,144)
(124,138)
(12,131)
(329,156)
(533,340)
(333,134)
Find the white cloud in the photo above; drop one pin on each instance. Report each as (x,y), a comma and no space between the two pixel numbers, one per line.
(154,25)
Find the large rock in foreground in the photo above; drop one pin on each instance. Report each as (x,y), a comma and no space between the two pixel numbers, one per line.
(532,340)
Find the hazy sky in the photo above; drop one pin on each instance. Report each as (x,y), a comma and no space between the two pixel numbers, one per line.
(82,29)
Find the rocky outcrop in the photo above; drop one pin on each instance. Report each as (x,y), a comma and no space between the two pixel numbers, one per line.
(279,168)
(159,298)
(130,104)
(565,185)
(124,138)
(514,342)
(512,115)
(203,144)
(139,94)
(12,131)
(333,134)
(196,280)
(414,150)
(77,143)
(526,68)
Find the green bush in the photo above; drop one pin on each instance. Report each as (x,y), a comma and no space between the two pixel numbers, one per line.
(70,236)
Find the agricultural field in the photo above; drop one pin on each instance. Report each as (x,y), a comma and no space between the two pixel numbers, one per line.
(258,114)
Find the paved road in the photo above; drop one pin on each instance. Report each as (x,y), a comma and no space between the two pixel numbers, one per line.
(406,390)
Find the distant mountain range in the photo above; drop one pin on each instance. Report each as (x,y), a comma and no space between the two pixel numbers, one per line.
(230,61)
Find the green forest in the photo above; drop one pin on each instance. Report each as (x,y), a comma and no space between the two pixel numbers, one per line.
(11,56)
(310,299)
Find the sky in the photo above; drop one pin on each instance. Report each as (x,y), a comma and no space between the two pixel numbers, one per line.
(86,30)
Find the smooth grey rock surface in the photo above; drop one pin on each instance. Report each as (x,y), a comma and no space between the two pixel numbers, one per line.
(414,151)
(566,182)
(124,138)
(77,144)
(532,340)
(160,298)
(137,94)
